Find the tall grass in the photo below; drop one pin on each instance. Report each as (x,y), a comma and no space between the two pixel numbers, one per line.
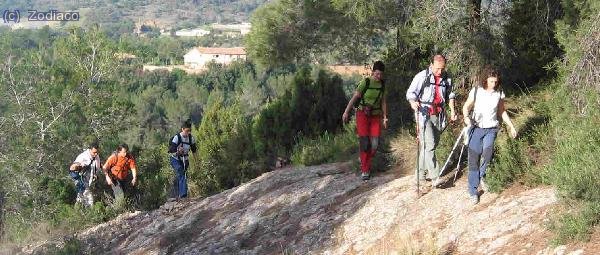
(326,148)
(575,168)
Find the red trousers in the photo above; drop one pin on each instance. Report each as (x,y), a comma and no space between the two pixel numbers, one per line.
(367,127)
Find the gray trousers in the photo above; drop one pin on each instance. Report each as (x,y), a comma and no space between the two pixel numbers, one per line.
(429,137)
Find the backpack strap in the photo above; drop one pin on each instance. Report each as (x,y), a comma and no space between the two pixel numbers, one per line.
(362,93)
(367,87)
(380,94)
(180,139)
(425,83)
(448,88)
(474,100)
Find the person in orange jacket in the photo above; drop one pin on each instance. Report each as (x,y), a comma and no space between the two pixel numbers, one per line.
(121,171)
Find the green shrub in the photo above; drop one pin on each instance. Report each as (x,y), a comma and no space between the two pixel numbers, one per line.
(326,148)
(509,164)
(577,225)
(575,169)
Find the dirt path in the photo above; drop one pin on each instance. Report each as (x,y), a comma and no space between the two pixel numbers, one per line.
(327,210)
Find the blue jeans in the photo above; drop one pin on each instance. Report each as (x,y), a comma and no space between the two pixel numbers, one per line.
(481,148)
(79,183)
(180,181)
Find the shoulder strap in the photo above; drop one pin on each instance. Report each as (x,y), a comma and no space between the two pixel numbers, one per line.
(362,93)
(380,93)
(425,83)
(448,88)
(178,139)
(474,99)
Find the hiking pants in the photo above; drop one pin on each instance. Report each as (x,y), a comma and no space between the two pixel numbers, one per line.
(368,129)
(123,187)
(180,181)
(481,148)
(80,185)
(429,137)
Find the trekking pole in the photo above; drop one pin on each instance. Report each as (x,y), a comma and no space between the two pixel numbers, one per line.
(418,152)
(451,153)
(184,170)
(462,149)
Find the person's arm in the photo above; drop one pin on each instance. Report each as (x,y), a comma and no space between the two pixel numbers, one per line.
(467,108)
(385,112)
(453,116)
(106,169)
(355,97)
(173,145)
(452,101)
(506,118)
(75,167)
(134,173)
(78,163)
(413,90)
(133,168)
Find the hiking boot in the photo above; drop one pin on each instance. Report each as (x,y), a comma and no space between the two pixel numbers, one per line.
(474,199)
(484,186)
(365,176)
(437,182)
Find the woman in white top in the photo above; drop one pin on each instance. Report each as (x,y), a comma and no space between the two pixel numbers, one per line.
(487,103)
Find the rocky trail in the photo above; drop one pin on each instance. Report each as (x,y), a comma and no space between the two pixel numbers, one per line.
(327,209)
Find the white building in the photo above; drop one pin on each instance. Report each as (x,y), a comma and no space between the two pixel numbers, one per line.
(198,57)
(243,28)
(198,32)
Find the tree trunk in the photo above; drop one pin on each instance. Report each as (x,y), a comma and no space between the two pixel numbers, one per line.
(475,13)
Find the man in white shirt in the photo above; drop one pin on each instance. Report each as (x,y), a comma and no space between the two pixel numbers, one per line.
(83,171)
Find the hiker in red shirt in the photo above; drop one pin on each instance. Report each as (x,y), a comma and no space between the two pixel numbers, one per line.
(369,98)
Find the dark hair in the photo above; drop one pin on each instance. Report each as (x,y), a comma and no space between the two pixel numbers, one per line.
(438,57)
(187,124)
(93,145)
(490,71)
(378,65)
(122,146)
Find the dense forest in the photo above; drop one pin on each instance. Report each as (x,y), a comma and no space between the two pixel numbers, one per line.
(63,89)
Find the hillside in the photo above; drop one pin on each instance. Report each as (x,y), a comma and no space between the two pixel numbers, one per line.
(164,14)
(327,210)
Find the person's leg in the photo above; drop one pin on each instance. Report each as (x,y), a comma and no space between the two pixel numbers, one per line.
(475,147)
(79,185)
(431,137)
(362,128)
(177,168)
(117,190)
(374,133)
(182,179)
(487,149)
(129,190)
